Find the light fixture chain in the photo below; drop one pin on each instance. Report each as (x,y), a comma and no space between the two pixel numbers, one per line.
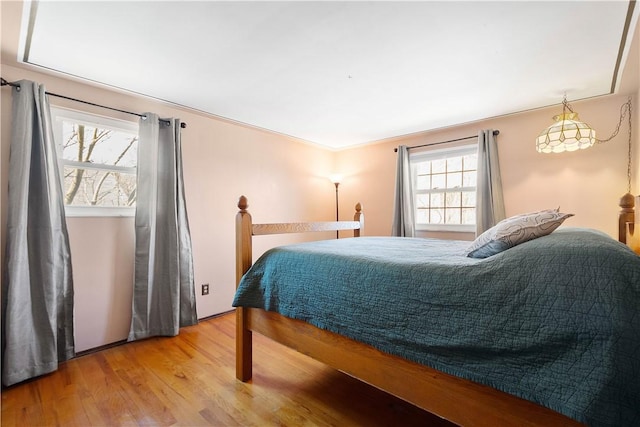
(565,105)
(630,150)
(624,109)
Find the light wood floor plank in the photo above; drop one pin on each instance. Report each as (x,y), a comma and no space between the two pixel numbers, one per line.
(189,380)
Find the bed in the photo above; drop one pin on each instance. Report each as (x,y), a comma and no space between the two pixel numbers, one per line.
(462,347)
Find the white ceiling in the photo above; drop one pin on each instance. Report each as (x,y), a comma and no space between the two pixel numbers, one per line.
(337,73)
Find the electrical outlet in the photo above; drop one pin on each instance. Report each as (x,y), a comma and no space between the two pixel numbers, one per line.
(205,289)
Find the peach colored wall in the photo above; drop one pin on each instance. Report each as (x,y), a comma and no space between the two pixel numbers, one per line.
(630,83)
(284,179)
(588,183)
(102,250)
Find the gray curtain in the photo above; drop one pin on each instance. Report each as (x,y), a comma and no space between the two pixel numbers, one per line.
(489,199)
(37,287)
(403,216)
(164,290)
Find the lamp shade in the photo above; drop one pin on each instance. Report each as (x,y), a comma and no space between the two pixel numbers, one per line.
(568,133)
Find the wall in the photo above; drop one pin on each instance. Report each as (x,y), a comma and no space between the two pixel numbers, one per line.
(283,178)
(588,183)
(630,83)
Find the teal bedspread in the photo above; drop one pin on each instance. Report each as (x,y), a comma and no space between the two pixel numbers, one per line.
(555,320)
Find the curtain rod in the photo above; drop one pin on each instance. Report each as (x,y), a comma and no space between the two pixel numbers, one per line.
(6,83)
(495,132)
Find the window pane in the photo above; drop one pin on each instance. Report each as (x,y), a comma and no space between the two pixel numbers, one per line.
(469,216)
(423,168)
(469,179)
(422,201)
(454,164)
(439,166)
(88,187)
(438,181)
(469,199)
(453,216)
(454,180)
(423,182)
(437,200)
(453,200)
(422,216)
(85,143)
(437,216)
(470,162)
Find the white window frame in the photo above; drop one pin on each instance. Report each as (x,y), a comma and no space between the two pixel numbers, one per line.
(436,154)
(58,115)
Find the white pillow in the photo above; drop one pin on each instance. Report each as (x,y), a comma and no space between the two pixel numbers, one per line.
(515,230)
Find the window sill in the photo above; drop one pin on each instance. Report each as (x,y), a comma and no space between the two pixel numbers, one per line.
(446,235)
(447,228)
(97,212)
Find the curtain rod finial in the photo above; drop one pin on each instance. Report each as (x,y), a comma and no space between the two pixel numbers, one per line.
(4,82)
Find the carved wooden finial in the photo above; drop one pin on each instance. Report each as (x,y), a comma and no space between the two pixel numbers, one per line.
(358,207)
(243,204)
(627,202)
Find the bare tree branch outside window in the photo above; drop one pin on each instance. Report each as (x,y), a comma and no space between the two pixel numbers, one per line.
(108,179)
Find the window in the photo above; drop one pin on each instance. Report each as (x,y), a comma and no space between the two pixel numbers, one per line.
(97,159)
(444,183)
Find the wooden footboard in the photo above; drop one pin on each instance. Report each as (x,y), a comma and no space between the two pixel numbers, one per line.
(245,230)
(460,401)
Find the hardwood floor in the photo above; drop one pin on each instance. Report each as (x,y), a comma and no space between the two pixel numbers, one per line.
(189,380)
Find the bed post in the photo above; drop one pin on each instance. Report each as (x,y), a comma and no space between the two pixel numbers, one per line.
(358,217)
(626,215)
(244,231)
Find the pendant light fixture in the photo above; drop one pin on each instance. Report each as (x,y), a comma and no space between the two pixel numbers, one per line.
(568,133)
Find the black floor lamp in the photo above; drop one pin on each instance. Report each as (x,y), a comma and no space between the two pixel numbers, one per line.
(336,181)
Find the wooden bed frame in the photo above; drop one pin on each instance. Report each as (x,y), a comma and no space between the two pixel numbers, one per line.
(457,400)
